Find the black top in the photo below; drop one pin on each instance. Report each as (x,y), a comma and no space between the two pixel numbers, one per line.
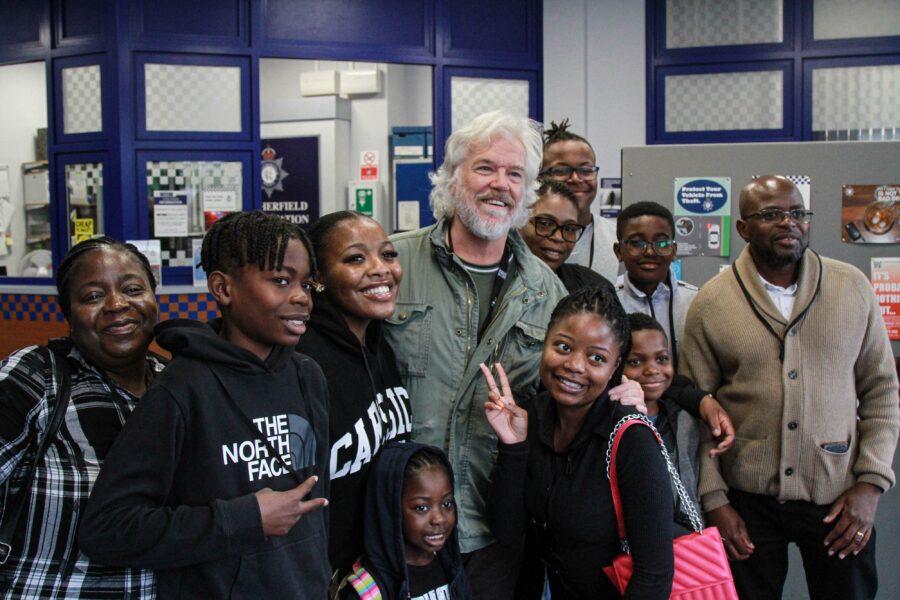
(428,582)
(369,407)
(177,491)
(568,503)
(576,277)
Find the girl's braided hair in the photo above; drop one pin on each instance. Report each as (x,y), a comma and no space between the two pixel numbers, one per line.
(602,302)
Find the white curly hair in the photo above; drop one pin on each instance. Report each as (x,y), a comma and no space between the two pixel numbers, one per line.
(479,133)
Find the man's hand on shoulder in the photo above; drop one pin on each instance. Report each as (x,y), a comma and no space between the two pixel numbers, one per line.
(854,511)
(733,530)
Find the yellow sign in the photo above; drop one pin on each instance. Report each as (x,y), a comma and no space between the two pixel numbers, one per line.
(84,229)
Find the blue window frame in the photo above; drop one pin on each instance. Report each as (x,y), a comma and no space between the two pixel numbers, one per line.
(809,66)
(786,132)
(242,63)
(182,275)
(58,113)
(797,55)
(444,117)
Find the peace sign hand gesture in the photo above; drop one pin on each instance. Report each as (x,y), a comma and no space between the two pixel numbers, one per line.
(506,418)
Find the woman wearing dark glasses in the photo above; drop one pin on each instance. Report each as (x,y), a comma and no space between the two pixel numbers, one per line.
(552,232)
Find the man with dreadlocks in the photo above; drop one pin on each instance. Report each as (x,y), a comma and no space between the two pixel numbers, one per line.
(219,481)
(570,159)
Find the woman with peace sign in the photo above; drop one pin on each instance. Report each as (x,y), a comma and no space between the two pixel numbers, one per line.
(556,452)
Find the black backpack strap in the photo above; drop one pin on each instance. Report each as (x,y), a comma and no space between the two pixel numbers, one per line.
(57,352)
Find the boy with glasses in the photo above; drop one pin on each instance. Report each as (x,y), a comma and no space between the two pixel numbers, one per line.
(646,245)
(570,159)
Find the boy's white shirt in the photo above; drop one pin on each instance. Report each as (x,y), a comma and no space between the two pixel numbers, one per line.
(602,232)
(634,300)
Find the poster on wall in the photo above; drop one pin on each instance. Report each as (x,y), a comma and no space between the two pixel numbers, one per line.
(869,213)
(220,198)
(886,281)
(152,249)
(170,213)
(609,198)
(199,275)
(290,178)
(84,230)
(368,165)
(702,210)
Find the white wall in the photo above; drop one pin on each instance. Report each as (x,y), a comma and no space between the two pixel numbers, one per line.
(23,110)
(406,99)
(594,73)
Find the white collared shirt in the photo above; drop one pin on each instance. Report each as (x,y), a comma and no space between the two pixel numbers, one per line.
(782,297)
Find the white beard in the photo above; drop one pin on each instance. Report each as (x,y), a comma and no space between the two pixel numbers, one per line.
(489,228)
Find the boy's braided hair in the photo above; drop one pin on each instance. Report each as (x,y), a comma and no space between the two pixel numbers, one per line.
(560,133)
(246,238)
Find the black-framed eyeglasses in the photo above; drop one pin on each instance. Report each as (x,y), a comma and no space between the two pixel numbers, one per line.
(544,227)
(563,172)
(776,215)
(661,247)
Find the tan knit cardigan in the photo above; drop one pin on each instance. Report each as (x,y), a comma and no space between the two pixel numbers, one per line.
(836,385)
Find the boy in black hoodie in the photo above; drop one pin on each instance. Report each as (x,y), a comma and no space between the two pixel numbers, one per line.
(217,481)
(412,548)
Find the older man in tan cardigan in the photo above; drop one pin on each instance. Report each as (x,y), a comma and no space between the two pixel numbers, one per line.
(794,347)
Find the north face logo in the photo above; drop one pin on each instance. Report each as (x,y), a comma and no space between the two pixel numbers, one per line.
(291,435)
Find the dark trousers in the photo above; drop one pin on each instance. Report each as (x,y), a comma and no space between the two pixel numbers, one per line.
(492,571)
(772,525)
(532,572)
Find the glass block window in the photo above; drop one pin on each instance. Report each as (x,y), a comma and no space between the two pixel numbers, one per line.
(192,98)
(856,103)
(724,101)
(185,197)
(82,106)
(700,23)
(84,200)
(472,96)
(838,19)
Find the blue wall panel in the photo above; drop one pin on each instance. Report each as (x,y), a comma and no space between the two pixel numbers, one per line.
(21,24)
(78,20)
(503,29)
(384,24)
(478,25)
(218,18)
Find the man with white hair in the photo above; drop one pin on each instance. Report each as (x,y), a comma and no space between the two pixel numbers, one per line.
(474,293)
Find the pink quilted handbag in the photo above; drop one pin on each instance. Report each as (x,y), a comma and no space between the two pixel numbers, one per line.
(701,565)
